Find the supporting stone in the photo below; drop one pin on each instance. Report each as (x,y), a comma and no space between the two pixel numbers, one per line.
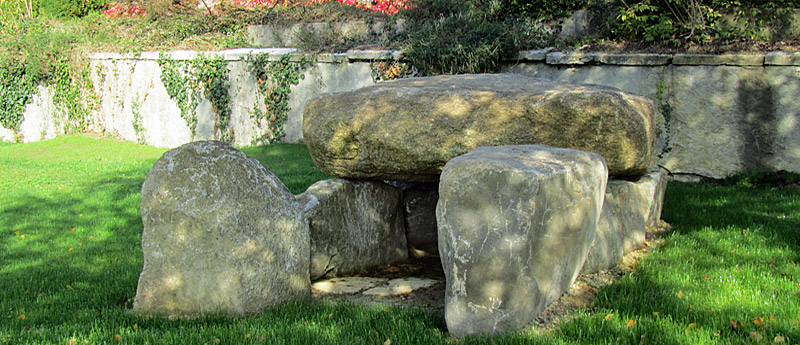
(515,226)
(354,225)
(221,234)
(629,207)
(419,213)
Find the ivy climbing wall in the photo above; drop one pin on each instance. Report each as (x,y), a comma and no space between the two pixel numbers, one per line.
(242,96)
(721,114)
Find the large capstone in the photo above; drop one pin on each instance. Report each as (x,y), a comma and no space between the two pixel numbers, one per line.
(221,235)
(630,207)
(408,129)
(354,225)
(515,226)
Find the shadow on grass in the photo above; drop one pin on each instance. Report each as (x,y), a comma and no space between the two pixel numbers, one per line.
(728,274)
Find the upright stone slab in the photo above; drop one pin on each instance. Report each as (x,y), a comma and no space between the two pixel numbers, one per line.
(408,129)
(419,212)
(354,225)
(221,234)
(630,207)
(515,226)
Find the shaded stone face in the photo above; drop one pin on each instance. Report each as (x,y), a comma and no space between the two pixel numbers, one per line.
(354,225)
(221,234)
(628,209)
(408,129)
(515,226)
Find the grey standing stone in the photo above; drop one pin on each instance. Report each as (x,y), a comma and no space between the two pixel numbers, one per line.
(221,234)
(515,226)
(354,225)
(419,213)
(629,208)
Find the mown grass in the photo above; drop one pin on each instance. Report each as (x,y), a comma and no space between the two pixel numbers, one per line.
(70,259)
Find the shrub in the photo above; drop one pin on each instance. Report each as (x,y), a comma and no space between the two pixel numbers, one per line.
(70,8)
(459,43)
(545,8)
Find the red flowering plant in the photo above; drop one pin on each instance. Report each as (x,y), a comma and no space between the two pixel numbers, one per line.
(114,10)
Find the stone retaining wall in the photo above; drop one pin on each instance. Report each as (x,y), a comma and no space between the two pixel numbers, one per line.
(727,113)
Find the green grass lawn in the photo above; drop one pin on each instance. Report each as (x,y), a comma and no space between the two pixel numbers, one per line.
(70,258)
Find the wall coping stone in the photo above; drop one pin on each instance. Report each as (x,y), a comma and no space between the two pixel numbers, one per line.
(549,56)
(370,55)
(534,55)
(635,59)
(717,60)
(782,59)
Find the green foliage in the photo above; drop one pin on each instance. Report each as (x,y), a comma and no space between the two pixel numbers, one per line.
(138,127)
(545,8)
(665,107)
(460,43)
(698,20)
(70,8)
(34,53)
(275,80)
(16,91)
(188,82)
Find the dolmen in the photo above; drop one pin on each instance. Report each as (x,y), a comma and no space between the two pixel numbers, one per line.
(537,180)
(517,184)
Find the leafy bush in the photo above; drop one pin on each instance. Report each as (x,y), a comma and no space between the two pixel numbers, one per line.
(459,43)
(545,8)
(70,8)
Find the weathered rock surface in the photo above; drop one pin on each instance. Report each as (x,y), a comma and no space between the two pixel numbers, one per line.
(419,213)
(408,129)
(354,225)
(629,207)
(515,226)
(221,234)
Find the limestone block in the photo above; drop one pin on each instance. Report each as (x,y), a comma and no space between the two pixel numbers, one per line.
(354,225)
(408,129)
(534,55)
(629,207)
(782,59)
(570,58)
(635,59)
(221,234)
(515,226)
(716,59)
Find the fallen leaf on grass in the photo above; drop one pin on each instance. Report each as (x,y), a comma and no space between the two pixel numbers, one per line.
(117,338)
(755,336)
(22,317)
(779,339)
(629,323)
(387,342)
(609,316)
(680,294)
(690,327)
(759,322)
(736,325)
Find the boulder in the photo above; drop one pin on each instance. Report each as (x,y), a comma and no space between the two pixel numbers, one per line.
(354,225)
(515,226)
(629,208)
(221,234)
(408,129)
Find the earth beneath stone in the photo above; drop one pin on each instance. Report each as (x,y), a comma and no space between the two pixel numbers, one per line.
(353,288)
